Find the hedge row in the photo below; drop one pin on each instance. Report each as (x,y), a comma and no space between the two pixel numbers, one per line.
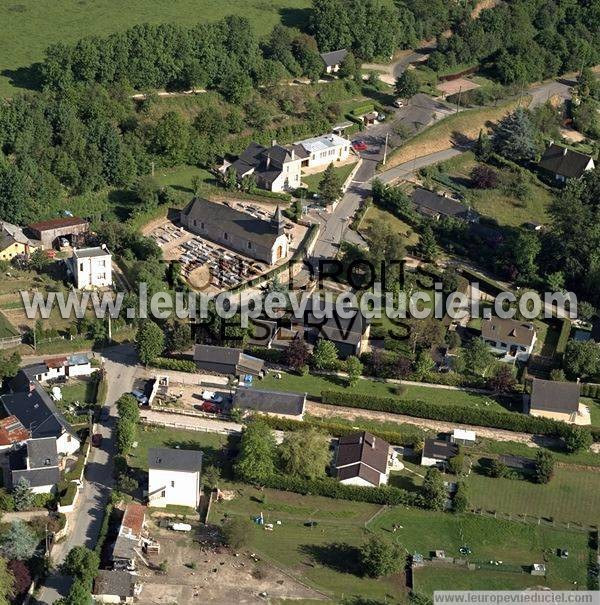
(510,421)
(408,438)
(75,472)
(590,390)
(331,488)
(565,332)
(177,365)
(67,494)
(103,529)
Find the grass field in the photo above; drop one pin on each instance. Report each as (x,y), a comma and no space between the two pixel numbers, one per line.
(326,556)
(495,203)
(6,328)
(455,129)
(375,214)
(30,26)
(313,385)
(571,496)
(151,436)
(312,180)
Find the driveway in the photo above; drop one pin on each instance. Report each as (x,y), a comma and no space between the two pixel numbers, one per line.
(85,521)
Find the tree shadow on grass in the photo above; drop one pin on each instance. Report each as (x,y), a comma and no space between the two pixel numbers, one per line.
(336,555)
(29,78)
(295,17)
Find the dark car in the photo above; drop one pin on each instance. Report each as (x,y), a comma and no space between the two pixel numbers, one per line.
(96,439)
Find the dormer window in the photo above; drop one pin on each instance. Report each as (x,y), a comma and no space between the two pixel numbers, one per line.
(47,462)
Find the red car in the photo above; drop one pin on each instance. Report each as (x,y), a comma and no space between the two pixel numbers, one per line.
(359,146)
(210,407)
(96,439)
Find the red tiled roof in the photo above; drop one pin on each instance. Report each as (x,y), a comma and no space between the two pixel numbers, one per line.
(56,362)
(12,431)
(133,518)
(57,223)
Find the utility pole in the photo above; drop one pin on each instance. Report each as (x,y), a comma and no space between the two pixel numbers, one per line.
(385,149)
(458,99)
(109,328)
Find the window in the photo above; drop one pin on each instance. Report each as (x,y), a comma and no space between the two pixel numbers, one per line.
(195,223)
(250,245)
(68,438)
(47,462)
(225,236)
(172,483)
(201,225)
(81,266)
(163,494)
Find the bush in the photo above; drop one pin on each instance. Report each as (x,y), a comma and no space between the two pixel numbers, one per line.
(286,197)
(68,493)
(177,365)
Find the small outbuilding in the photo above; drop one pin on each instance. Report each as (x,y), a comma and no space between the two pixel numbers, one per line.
(228,361)
(50,232)
(116,587)
(437,452)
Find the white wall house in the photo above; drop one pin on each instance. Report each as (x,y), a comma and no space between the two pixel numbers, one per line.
(324,150)
(174,477)
(91,267)
(511,339)
(37,462)
(363,459)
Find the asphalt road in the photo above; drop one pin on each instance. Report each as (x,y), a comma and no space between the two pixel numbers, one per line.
(120,364)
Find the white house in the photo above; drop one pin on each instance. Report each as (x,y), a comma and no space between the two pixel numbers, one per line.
(37,462)
(75,365)
(565,163)
(91,267)
(321,151)
(362,459)
(508,337)
(174,477)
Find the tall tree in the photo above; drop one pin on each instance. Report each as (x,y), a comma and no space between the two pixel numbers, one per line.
(18,541)
(515,137)
(325,355)
(23,494)
(305,453)
(380,557)
(150,341)
(256,460)
(330,186)
(354,369)
(434,490)
(407,85)
(7,583)
(477,356)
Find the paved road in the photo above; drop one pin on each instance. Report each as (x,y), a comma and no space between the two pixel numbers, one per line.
(85,521)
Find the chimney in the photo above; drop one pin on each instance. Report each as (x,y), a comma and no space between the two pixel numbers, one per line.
(268,161)
(565,150)
(293,154)
(31,386)
(273,142)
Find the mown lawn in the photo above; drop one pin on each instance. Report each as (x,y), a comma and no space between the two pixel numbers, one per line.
(313,385)
(448,132)
(312,180)
(326,556)
(30,26)
(6,328)
(571,496)
(150,436)
(515,544)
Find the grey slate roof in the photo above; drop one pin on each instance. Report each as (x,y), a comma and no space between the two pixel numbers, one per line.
(185,461)
(432,203)
(42,452)
(335,57)
(236,358)
(267,162)
(270,401)
(34,408)
(124,548)
(439,449)
(554,396)
(564,161)
(90,252)
(234,222)
(362,449)
(510,331)
(120,583)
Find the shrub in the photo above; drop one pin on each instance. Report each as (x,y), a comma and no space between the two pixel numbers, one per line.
(236,532)
(484,177)
(67,494)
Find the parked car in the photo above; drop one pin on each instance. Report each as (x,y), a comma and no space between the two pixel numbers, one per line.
(105,413)
(399,103)
(96,440)
(210,407)
(139,395)
(212,396)
(381,117)
(185,527)
(359,145)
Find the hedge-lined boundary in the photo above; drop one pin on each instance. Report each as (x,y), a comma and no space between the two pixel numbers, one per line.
(510,421)
(408,438)
(331,488)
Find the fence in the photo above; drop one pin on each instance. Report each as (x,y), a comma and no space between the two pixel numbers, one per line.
(10,341)
(187,427)
(541,521)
